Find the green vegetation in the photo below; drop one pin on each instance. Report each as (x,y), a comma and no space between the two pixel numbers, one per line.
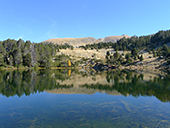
(115,58)
(19,54)
(98,45)
(152,43)
(118,59)
(22,54)
(142,42)
(20,82)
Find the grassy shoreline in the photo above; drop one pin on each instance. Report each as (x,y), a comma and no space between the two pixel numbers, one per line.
(41,68)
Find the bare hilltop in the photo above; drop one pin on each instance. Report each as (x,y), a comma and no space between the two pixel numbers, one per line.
(83,41)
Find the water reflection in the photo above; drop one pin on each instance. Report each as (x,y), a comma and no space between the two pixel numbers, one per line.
(28,99)
(21,82)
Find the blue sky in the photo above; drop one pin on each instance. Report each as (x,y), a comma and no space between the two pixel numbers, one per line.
(39,20)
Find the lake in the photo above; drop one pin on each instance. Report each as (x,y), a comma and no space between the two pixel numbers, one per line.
(84,99)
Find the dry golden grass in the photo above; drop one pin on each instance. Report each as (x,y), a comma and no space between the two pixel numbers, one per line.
(72,41)
(78,53)
(84,41)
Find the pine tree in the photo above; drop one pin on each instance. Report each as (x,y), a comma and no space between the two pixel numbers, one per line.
(116,55)
(27,60)
(108,53)
(141,58)
(17,57)
(14,47)
(134,52)
(1,60)
(11,60)
(154,53)
(127,56)
(2,49)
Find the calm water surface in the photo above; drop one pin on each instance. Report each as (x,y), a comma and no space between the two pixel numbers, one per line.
(73,99)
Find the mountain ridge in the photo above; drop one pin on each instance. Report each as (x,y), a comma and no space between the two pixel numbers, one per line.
(84,40)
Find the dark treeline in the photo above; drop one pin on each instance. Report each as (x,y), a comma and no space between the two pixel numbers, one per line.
(20,53)
(143,42)
(99,45)
(20,82)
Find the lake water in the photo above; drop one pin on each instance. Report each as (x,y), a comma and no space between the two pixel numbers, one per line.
(83,99)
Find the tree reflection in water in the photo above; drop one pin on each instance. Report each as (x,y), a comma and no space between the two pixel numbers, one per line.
(21,82)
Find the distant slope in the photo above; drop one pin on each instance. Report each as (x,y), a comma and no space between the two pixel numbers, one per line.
(71,41)
(114,38)
(83,41)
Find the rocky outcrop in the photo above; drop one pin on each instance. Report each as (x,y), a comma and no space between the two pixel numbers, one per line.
(83,41)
